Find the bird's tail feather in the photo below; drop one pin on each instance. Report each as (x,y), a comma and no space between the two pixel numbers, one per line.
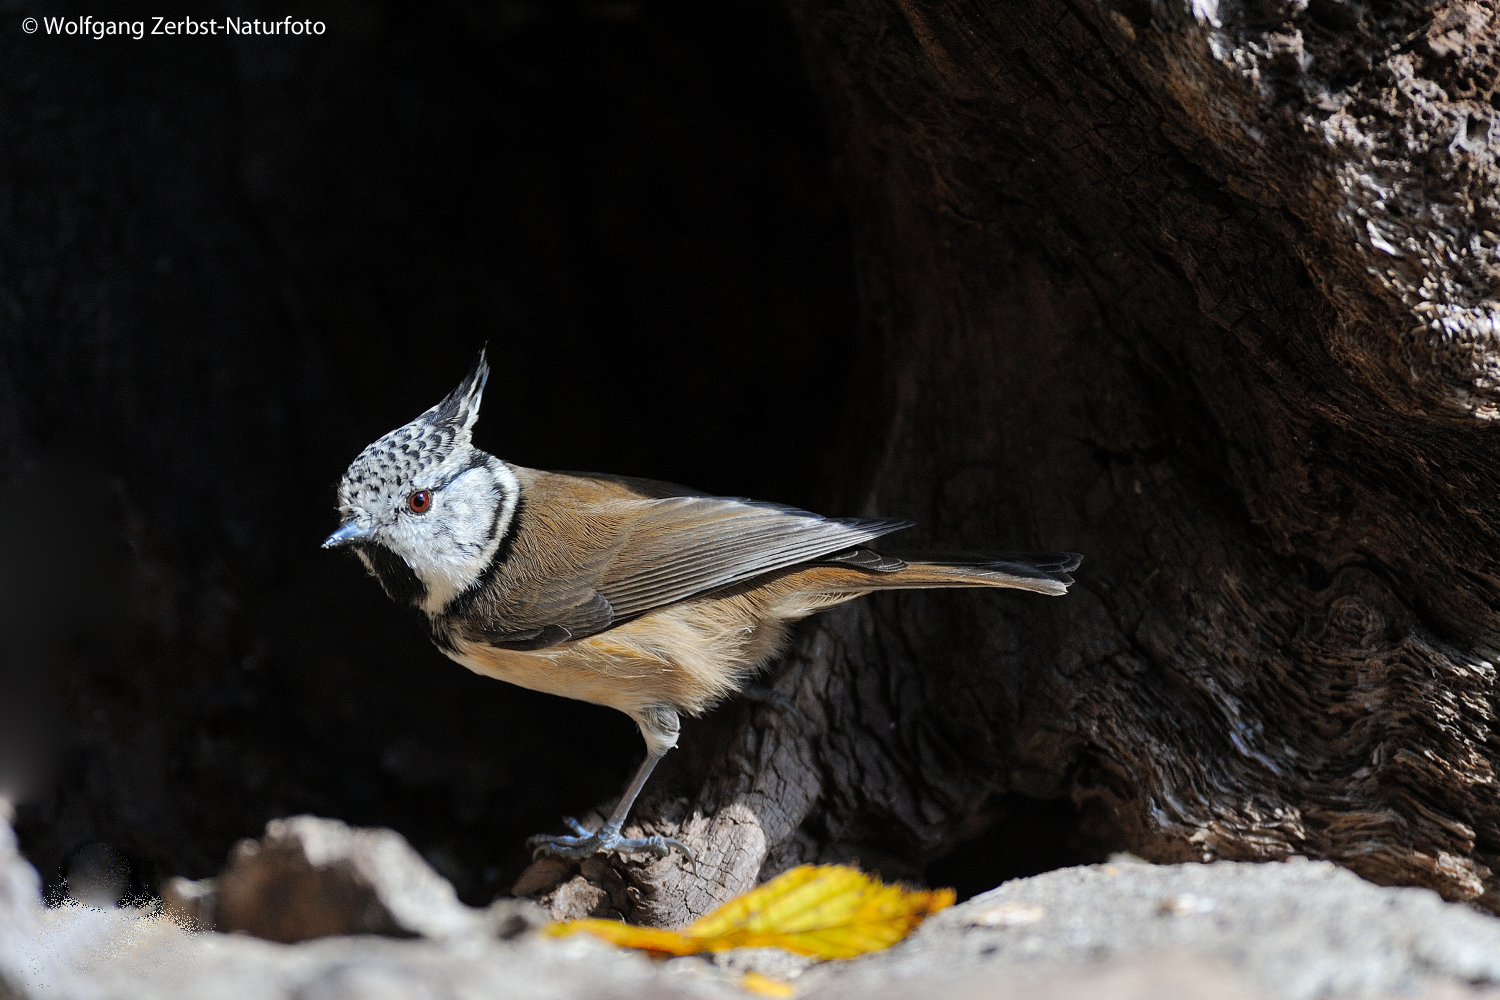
(1039,572)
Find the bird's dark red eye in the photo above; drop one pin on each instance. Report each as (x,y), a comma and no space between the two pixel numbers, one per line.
(419,501)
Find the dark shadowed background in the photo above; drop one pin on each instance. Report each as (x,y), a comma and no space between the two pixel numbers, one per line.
(226,264)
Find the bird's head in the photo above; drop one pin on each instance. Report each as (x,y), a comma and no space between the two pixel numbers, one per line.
(424,509)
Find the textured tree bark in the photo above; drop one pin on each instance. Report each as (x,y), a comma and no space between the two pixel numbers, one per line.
(1202,290)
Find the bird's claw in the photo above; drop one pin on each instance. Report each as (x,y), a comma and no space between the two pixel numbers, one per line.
(585,844)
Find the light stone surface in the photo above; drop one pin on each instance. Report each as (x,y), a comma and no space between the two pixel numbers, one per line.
(1125,930)
(1294,931)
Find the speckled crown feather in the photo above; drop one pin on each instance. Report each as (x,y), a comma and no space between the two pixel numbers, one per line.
(422,449)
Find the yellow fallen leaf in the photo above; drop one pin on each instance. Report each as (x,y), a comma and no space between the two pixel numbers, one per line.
(827,911)
(754,982)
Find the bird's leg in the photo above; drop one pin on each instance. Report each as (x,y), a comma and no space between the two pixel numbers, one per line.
(585,844)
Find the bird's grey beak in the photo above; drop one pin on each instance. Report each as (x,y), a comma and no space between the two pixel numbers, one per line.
(348,533)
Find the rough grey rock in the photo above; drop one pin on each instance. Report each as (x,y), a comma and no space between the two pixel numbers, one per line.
(306,877)
(1292,931)
(309,877)
(1121,931)
(133,956)
(20,895)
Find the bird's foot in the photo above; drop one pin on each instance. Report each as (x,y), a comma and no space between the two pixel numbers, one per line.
(584,844)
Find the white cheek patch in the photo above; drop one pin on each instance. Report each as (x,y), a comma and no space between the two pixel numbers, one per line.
(451,546)
(467,509)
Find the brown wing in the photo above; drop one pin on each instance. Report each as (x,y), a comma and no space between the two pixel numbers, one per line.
(688,545)
(591,552)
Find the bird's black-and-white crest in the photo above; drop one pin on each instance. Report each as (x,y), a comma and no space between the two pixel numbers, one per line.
(421,450)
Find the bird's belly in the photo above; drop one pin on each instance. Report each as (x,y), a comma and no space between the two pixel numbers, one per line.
(686,656)
(564,670)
